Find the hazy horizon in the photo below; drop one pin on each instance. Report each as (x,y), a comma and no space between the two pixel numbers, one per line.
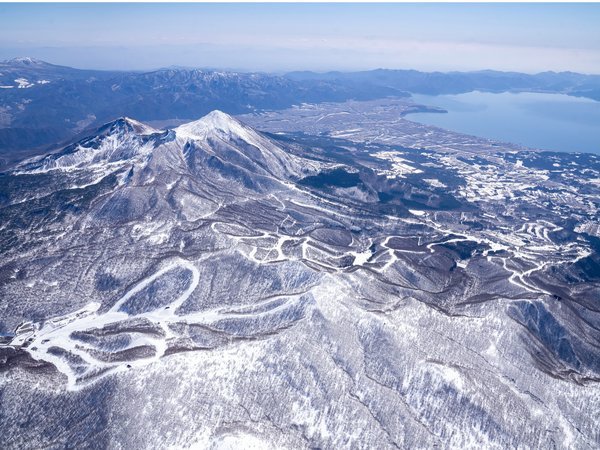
(527,38)
(282,72)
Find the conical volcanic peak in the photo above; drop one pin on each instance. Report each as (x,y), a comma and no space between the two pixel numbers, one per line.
(216,123)
(233,142)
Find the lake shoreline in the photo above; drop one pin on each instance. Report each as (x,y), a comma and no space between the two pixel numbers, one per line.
(547,122)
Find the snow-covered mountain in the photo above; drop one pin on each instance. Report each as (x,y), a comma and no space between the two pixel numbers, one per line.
(214,285)
(43,104)
(217,145)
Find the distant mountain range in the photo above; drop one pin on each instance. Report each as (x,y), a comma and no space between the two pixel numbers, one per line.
(435,83)
(42,104)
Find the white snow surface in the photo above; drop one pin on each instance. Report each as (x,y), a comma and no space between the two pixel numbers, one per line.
(219,126)
(216,123)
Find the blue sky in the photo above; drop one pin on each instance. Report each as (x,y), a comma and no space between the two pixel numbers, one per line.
(284,37)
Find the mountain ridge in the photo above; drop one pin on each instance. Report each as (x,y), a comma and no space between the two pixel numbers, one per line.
(214,137)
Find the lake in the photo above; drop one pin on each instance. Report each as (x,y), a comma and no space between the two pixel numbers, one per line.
(545,121)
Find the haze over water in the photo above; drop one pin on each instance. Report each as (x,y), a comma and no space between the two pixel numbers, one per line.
(545,121)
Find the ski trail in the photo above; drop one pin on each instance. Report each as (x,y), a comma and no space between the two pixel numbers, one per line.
(54,341)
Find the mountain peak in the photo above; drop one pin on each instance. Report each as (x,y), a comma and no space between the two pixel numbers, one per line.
(215,122)
(26,60)
(240,145)
(217,115)
(126,124)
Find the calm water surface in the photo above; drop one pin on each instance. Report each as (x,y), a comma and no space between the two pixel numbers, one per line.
(546,121)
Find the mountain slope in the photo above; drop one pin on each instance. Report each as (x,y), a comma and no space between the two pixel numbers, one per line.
(226,286)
